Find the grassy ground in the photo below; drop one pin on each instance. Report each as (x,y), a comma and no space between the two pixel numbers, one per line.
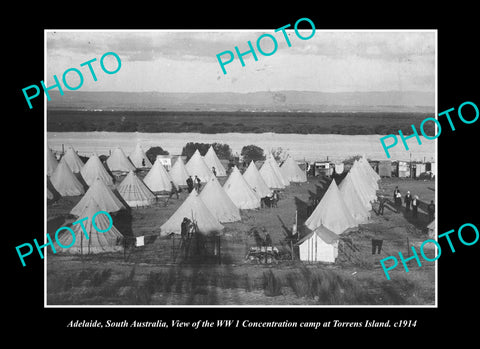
(149,275)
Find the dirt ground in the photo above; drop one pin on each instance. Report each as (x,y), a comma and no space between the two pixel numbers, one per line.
(154,275)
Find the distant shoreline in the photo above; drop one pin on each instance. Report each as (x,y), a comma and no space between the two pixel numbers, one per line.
(211,122)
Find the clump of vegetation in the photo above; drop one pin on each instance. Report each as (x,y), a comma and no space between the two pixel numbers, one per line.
(252,152)
(272,286)
(99,277)
(328,287)
(223,151)
(153,152)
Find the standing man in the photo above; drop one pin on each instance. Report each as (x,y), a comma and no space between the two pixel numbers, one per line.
(415,206)
(408,200)
(214,171)
(381,206)
(275,198)
(398,199)
(197,183)
(431,211)
(396,193)
(268,239)
(190,184)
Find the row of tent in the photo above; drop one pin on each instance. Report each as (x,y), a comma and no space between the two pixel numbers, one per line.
(213,206)
(341,208)
(137,159)
(158,179)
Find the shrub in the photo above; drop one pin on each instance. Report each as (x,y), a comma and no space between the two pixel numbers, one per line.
(272,286)
(99,277)
(223,151)
(153,152)
(252,152)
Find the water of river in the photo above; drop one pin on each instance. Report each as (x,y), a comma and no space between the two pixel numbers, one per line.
(299,146)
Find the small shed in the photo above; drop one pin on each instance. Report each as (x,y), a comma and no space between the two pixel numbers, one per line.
(320,245)
(403,169)
(385,168)
(322,167)
(419,169)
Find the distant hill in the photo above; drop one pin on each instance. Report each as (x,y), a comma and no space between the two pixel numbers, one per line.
(391,101)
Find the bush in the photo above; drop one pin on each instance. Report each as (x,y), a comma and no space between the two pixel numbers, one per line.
(252,152)
(271,285)
(153,152)
(223,151)
(190,148)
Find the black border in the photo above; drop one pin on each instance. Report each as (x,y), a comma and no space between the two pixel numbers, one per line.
(458,75)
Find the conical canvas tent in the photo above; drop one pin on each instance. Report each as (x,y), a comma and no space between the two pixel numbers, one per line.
(118,162)
(103,196)
(370,183)
(352,200)
(179,173)
(320,245)
(212,161)
(65,182)
(102,234)
(331,212)
(94,169)
(135,192)
(270,177)
(139,159)
(367,173)
(365,191)
(292,172)
(277,171)
(194,209)
(73,160)
(157,179)
(255,181)
(240,192)
(52,162)
(196,166)
(363,160)
(219,203)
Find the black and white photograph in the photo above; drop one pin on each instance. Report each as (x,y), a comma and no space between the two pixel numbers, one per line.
(240,167)
(217,172)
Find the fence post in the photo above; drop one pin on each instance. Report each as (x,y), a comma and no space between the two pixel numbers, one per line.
(291,248)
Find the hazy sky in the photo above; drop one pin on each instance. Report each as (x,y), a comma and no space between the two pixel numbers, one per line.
(185,61)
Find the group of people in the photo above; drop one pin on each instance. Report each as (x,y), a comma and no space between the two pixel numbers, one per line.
(271,200)
(265,241)
(187,228)
(411,204)
(193,183)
